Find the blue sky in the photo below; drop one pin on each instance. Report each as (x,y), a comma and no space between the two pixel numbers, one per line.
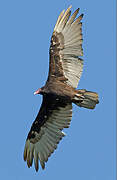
(88,150)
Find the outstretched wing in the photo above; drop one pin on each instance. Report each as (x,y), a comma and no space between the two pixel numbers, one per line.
(66,47)
(46,131)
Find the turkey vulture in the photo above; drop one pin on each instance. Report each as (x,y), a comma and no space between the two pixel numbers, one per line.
(59,92)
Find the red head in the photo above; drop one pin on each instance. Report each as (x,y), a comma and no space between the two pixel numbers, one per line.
(38,91)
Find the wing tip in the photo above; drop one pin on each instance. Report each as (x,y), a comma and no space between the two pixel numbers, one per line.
(25,154)
(82,15)
(69,7)
(77,11)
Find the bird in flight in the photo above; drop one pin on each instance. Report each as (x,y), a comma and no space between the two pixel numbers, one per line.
(59,92)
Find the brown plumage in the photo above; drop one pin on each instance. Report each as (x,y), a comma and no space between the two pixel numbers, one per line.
(59,92)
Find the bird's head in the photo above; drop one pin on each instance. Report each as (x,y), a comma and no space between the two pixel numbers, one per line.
(38,91)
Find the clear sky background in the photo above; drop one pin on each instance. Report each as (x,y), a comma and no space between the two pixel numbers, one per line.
(88,150)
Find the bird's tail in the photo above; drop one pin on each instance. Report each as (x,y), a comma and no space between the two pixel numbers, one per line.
(86,99)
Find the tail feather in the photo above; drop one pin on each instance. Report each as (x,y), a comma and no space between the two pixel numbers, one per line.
(86,99)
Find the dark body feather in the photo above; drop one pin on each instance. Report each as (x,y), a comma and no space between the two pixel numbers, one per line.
(55,94)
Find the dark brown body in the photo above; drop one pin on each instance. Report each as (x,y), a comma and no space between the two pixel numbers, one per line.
(59,88)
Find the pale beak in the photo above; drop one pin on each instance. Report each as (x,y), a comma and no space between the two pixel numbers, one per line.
(37,92)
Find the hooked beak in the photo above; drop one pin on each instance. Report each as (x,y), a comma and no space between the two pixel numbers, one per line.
(37,92)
